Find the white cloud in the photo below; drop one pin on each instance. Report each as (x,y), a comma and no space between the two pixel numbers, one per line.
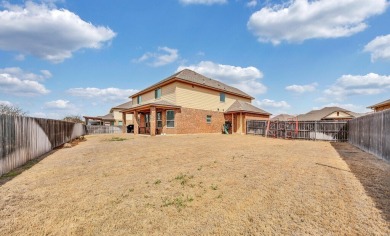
(20,57)
(299,20)
(20,87)
(105,95)
(59,104)
(163,57)
(348,85)
(302,88)
(272,103)
(25,29)
(251,3)
(244,78)
(7,103)
(379,48)
(202,2)
(23,75)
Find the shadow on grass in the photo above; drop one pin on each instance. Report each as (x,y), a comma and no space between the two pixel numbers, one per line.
(19,170)
(372,172)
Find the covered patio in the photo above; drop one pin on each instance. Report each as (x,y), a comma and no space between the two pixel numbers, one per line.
(151,118)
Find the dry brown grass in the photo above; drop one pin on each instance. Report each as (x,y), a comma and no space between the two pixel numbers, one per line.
(190,184)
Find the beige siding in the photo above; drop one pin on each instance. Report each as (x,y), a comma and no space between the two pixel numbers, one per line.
(167,94)
(118,117)
(340,114)
(202,98)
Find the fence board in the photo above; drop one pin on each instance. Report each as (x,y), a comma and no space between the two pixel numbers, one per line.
(25,138)
(371,133)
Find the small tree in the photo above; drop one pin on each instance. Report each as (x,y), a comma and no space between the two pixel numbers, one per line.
(11,110)
(74,118)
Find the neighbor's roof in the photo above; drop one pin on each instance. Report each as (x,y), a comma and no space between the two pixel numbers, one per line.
(380,104)
(122,106)
(192,77)
(283,117)
(324,112)
(239,106)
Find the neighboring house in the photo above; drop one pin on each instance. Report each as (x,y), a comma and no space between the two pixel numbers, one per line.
(328,113)
(116,111)
(114,118)
(107,120)
(381,106)
(283,117)
(188,102)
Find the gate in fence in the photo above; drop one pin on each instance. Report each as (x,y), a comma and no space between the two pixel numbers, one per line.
(309,130)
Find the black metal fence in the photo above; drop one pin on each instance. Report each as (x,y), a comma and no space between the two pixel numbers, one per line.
(371,133)
(309,130)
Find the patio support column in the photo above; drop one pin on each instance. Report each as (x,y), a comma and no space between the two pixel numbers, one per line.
(240,122)
(136,125)
(232,123)
(152,121)
(124,130)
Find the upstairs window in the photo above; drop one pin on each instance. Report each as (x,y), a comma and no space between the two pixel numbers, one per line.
(139,100)
(170,119)
(222,97)
(157,93)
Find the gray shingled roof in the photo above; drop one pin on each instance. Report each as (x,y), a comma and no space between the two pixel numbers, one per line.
(380,104)
(124,105)
(109,116)
(283,117)
(196,78)
(322,113)
(156,103)
(239,106)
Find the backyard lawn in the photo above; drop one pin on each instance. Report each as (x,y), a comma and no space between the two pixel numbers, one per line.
(198,184)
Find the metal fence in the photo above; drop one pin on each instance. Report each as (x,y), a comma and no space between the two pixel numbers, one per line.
(309,130)
(101,129)
(25,138)
(371,133)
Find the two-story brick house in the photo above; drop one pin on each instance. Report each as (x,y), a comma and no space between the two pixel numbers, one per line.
(188,102)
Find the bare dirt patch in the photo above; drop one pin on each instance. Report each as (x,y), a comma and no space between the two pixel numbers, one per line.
(190,184)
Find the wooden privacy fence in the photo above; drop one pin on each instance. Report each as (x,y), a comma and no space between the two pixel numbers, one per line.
(101,129)
(25,138)
(310,130)
(371,133)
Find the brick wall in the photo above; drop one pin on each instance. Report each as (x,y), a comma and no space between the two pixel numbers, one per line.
(192,121)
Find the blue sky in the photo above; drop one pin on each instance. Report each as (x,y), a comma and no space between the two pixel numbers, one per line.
(68,57)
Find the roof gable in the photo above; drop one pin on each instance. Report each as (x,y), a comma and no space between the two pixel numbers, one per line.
(192,77)
(239,106)
(324,113)
(387,102)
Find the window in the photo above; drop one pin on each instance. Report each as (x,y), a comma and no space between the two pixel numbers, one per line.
(139,100)
(222,97)
(208,119)
(147,120)
(159,120)
(120,123)
(157,93)
(170,119)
